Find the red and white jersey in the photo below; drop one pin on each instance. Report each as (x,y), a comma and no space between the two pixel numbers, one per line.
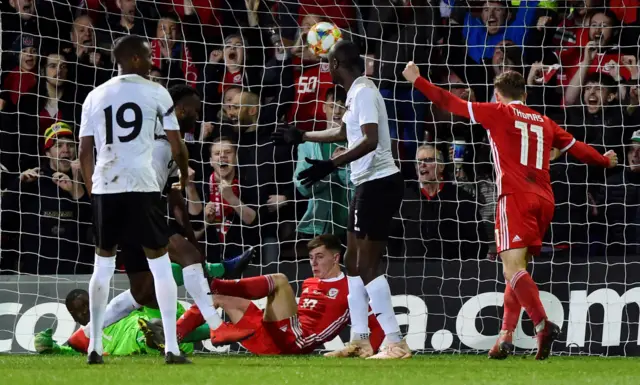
(521,142)
(312,85)
(323,310)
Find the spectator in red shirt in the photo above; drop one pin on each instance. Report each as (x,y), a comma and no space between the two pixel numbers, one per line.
(171,53)
(312,81)
(600,53)
(22,77)
(227,68)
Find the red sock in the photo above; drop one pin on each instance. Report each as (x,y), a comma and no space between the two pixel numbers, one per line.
(189,321)
(511,309)
(78,341)
(528,295)
(249,288)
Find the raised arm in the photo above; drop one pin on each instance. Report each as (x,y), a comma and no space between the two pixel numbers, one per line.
(441,98)
(582,151)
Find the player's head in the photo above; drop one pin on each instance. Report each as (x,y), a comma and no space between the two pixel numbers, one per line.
(429,164)
(598,91)
(223,157)
(243,111)
(510,86)
(344,62)
(495,14)
(77,303)
(133,55)
(333,106)
(186,101)
(324,255)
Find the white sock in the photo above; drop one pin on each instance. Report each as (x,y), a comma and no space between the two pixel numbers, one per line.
(103,269)
(380,295)
(358,308)
(167,297)
(198,288)
(119,307)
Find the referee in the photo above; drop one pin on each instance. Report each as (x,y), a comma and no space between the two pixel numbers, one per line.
(379,191)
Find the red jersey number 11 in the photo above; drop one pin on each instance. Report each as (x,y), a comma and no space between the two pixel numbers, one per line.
(524,143)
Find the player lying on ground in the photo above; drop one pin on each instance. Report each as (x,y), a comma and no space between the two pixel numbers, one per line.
(284,327)
(125,337)
(521,141)
(377,179)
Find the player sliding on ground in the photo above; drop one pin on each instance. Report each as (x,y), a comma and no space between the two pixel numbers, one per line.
(521,141)
(125,337)
(378,194)
(284,327)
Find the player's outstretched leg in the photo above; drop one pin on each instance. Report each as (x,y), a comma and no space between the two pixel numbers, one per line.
(515,263)
(504,345)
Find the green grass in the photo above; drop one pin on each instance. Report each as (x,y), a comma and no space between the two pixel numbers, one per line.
(249,370)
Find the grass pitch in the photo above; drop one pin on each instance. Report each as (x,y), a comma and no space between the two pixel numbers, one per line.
(249,370)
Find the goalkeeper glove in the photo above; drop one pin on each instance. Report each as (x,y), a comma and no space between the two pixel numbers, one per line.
(318,170)
(287,135)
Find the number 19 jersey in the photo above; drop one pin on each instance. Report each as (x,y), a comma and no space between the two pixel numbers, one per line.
(122,115)
(521,141)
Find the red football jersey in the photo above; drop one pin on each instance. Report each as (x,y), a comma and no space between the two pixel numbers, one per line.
(521,141)
(311,90)
(323,308)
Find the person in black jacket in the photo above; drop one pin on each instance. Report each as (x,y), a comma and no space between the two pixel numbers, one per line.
(50,101)
(619,205)
(46,214)
(437,219)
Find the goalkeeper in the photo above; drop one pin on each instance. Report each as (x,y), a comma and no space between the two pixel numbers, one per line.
(124,337)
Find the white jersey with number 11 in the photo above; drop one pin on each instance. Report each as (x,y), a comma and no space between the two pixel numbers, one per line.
(122,115)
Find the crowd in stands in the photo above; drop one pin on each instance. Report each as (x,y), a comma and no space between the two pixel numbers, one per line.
(248,60)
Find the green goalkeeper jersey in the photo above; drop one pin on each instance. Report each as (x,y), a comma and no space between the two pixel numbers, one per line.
(125,338)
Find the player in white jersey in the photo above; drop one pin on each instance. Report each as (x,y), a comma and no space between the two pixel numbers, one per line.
(379,191)
(187,104)
(120,118)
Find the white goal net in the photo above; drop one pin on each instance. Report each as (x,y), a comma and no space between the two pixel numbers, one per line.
(249,61)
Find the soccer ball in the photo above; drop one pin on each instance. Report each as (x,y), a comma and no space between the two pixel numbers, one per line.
(322,37)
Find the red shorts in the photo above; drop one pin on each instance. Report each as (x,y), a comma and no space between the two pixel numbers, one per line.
(521,221)
(270,338)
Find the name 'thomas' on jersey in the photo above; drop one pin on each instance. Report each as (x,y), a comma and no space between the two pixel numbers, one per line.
(122,115)
(366,105)
(521,142)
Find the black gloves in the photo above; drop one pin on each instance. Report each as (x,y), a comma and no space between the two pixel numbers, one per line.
(318,170)
(287,136)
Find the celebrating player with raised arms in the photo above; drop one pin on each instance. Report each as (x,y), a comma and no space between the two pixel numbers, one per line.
(379,189)
(521,142)
(120,118)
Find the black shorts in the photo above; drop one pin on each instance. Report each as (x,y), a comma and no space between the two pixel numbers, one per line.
(373,206)
(129,218)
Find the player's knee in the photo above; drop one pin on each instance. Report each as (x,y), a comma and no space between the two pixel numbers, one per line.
(280,280)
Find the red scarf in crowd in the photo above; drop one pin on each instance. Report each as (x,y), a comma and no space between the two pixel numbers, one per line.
(222,208)
(188,66)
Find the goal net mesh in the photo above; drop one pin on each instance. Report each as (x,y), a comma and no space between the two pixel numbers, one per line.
(251,65)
